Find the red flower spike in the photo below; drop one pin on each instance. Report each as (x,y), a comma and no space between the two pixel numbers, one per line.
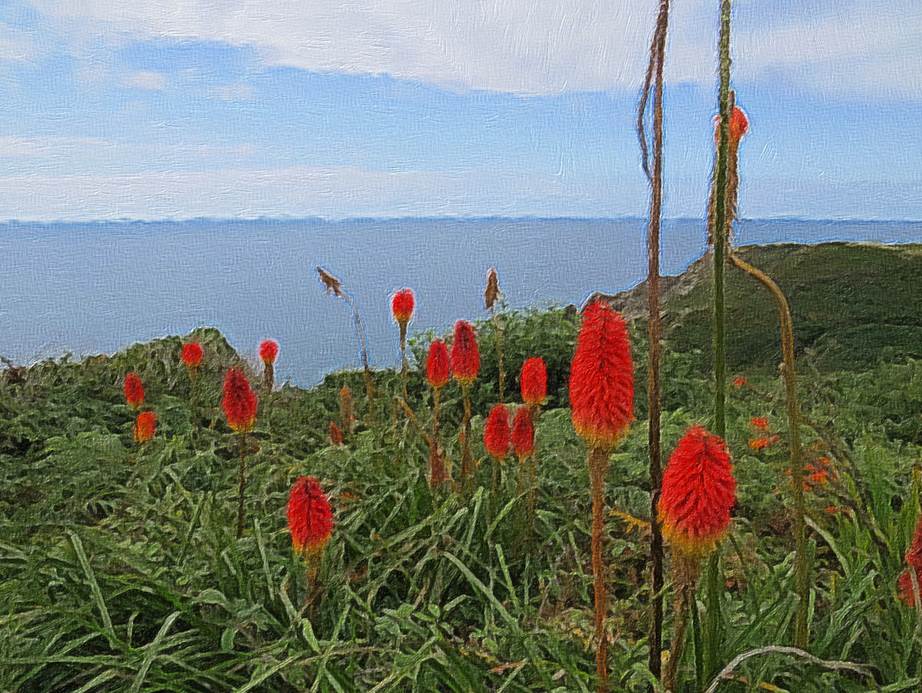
(760,422)
(145,427)
(533,381)
(914,562)
(192,354)
(310,519)
(239,402)
(602,378)
(336,434)
(268,351)
(402,304)
(437,365)
(465,356)
(134,390)
(697,494)
(523,434)
(496,433)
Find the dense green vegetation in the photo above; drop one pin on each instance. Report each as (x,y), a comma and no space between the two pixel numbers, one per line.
(119,568)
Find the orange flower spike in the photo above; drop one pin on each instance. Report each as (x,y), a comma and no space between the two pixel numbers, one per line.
(465,355)
(533,381)
(310,518)
(497,437)
(192,355)
(602,378)
(336,434)
(438,369)
(145,427)
(698,493)
(523,434)
(239,402)
(134,390)
(759,422)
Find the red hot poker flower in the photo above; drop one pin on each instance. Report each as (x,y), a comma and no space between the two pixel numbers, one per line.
(602,378)
(739,125)
(310,519)
(239,402)
(465,356)
(134,390)
(496,433)
(145,427)
(523,434)
(533,381)
(336,434)
(437,366)
(268,351)
(402,304)
(698,492)
(913,562)
(192,354)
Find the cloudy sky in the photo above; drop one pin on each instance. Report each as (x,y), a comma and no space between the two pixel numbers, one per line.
(242,108)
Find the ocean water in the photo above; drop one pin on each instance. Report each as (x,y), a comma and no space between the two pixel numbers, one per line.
(92,288)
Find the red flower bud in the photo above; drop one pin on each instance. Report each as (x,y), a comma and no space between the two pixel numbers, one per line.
(134,390)
(602,378)
(192,354)
(496,433)
(310,519)
(523,434)
(268,351)
(336,434)
(402,304)
(533,381)
(697,494)
(437,366)
(465,356)
(239,402)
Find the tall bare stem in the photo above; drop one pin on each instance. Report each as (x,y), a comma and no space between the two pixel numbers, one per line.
(598,463)
(654,81)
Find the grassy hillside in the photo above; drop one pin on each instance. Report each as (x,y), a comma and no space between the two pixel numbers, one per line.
(119,568)
(852,303)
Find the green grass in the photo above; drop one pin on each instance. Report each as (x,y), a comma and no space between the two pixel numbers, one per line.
(119,569)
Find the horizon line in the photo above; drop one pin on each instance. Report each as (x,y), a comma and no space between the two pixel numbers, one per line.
(315,219)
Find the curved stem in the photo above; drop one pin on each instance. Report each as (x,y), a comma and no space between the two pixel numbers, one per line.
(801,575)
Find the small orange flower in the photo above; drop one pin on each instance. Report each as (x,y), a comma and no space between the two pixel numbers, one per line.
(145,427)
(465,355)
(739,382)
(758,443)
(336,434)
(760,422)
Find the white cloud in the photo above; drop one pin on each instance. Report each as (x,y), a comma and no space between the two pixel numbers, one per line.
(145,80)
(524,46)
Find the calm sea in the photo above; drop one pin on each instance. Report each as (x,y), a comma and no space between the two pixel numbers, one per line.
(90,288)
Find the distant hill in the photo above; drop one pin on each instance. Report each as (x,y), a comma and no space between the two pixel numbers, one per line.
(853,304)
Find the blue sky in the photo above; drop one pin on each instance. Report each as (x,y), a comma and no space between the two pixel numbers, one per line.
(244,108)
